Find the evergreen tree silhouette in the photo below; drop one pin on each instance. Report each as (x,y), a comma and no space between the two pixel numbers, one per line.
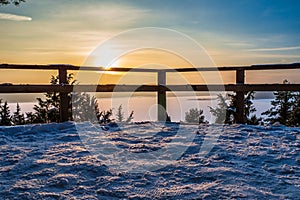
(194,116)
(220,112)
(18,118)
(283,108)
(120,114)
(84,108)
(130,117)
(294,119)
(5,118)
(226,112)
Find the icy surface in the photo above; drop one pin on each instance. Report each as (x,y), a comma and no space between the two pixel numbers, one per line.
(51,162)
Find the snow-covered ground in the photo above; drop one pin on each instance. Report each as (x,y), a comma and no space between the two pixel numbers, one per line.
(53,162)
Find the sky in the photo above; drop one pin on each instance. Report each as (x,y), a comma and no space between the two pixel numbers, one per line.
(232,32)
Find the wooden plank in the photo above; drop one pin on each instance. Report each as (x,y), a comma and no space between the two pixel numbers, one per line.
(203,69)
(74,68)
(33,67)
(161,97)
(132,69)
(146,88)
(234,68)
(78,88)
(240,107)
(274,66)
(64,100)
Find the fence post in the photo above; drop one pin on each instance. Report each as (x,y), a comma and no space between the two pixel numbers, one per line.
(64,101)
(161,97)
(240,110)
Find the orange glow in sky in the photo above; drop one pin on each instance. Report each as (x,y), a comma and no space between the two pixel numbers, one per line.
(52,32)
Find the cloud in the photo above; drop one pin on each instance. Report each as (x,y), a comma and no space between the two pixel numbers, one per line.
(277,49)
(7,16)
(101,16)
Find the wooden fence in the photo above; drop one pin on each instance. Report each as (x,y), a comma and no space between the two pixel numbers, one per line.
(240,87)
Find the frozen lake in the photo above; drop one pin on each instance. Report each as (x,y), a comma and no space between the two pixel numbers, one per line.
(145,107)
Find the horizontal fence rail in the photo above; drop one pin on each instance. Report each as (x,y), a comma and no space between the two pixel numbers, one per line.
(146,88)
(120,69)
(161,88)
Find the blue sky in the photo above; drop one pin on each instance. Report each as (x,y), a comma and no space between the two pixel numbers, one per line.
(233,32)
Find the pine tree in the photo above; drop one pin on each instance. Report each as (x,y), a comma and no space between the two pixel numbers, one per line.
(282,107)
(294,119)
(30,118)
(41,112)
(5,118)
(48,110)
(104,116)
(120,114)
(231,115)
(18,117)
(251,118)
(220,112)
(84,108)
(249,108)
(130,117)
(194,116)
(226,112)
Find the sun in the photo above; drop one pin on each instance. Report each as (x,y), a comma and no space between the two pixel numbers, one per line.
(115,64)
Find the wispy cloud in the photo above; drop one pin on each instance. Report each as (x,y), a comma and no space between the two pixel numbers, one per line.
(7,16)
(277,49)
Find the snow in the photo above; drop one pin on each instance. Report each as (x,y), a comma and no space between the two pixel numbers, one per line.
(63,161)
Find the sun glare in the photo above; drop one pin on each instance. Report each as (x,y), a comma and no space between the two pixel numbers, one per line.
(109,67)
(115,64)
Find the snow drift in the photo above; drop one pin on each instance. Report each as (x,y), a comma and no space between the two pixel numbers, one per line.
(51,162)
